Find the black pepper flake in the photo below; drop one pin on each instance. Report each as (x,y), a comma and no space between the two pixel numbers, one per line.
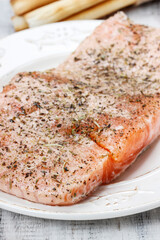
(37,104)
(59,125)
(44,173)
(7,149)
(23,110)
(27,175)
(76,87)
(103,57)
(66,169)
(11,120)
(72,106)
(54,176)
(76,59)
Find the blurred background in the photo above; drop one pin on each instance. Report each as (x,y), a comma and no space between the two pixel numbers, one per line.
(16,15)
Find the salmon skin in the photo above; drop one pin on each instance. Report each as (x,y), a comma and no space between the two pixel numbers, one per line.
(66,131)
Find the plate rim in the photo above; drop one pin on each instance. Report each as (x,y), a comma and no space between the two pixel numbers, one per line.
(60,215)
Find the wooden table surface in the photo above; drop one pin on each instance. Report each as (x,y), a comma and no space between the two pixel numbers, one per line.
(144,226)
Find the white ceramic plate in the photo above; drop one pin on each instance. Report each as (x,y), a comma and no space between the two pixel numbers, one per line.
(137,190)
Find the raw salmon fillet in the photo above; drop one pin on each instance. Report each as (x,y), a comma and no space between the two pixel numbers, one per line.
(42,158)
(120,62)
(66,131)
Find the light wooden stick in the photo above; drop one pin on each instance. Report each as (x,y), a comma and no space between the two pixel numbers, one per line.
(23,6)
(101,9)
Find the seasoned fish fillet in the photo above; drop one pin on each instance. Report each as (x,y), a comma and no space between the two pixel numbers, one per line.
(66,131)
(120,62)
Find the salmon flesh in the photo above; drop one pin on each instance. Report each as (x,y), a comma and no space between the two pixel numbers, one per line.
(66,131)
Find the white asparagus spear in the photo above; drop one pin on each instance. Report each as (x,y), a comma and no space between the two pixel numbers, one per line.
(19,23)
(53,12)
(70,9)
(101,9)
(57,11)
(23,6)
(142,1)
